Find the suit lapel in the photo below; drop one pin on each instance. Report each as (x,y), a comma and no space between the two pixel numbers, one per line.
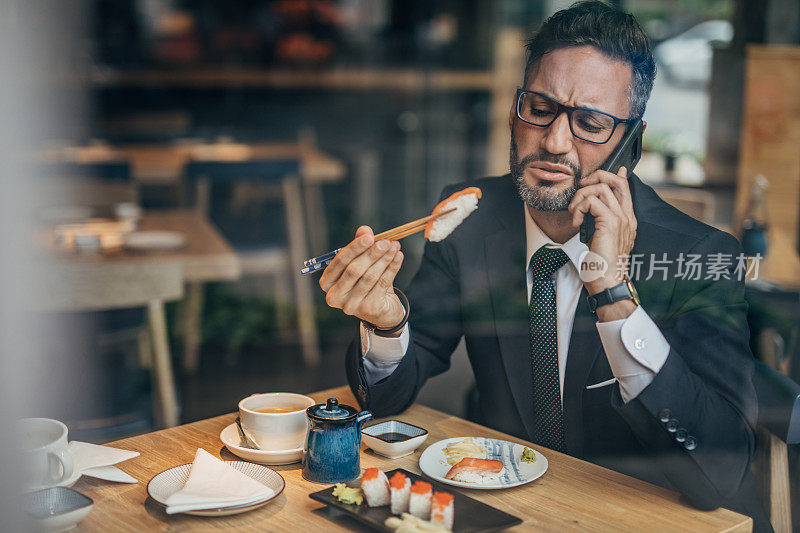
(505,260)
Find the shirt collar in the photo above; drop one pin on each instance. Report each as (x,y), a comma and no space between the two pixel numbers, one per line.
(536,238)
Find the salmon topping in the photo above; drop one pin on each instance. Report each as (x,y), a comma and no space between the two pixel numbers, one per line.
(421,487)
(398,480)
(370,473)
(442,499)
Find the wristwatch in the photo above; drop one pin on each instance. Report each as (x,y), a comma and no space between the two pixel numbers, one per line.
(623,291)
(371,328)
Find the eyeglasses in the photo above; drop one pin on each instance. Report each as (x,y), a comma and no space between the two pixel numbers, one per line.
(586,124)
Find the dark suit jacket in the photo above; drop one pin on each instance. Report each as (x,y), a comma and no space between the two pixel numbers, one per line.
(472,284)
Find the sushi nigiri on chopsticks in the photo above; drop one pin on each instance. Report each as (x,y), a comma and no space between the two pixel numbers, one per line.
(446,217)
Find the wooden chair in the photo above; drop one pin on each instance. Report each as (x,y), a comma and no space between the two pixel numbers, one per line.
(280,260)
(779,425)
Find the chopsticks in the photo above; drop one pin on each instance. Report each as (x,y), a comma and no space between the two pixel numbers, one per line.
(395,234)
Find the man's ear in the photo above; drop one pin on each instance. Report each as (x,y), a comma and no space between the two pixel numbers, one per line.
(644,126)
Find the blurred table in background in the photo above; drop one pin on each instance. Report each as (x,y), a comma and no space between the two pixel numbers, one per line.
(120,278)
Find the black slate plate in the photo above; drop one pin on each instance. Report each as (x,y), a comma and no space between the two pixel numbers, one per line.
(471,516)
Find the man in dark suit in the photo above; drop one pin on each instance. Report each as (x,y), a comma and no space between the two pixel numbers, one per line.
(657,386)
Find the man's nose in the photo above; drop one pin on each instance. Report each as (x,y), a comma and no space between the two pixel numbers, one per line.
(558,136)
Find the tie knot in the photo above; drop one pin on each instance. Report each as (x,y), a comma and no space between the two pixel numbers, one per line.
(546,261)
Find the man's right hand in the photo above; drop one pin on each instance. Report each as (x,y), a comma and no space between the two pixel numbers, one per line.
(360,280)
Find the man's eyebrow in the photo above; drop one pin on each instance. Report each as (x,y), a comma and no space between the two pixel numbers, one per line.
(588,105)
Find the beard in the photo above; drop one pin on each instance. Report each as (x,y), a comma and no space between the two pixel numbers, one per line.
(543,196)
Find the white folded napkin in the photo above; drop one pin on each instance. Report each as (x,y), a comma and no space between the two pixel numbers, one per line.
(95,461)
(212,484)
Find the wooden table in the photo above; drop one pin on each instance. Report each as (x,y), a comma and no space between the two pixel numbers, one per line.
(207,256)
(573,495)
(120,279)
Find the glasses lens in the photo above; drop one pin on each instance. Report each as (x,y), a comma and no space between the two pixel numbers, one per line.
(592,126)
(536,109)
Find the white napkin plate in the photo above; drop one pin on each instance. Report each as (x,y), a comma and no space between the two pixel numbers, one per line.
(170,481)
(230,438)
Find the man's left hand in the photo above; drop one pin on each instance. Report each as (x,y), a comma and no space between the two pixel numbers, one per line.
(607,196)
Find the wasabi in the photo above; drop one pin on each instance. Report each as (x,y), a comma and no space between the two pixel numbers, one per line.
(528,456)
(347,494)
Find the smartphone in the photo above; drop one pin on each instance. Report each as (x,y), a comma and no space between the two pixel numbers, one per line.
(626,154)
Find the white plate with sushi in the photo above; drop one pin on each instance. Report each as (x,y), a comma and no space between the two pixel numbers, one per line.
(481,463)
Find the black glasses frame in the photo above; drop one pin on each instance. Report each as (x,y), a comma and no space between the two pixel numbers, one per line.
(569,110)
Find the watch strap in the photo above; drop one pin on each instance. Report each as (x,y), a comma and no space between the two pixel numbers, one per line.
(609,296)
(391,331)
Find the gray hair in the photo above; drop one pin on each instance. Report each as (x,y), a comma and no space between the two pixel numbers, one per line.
(615,33)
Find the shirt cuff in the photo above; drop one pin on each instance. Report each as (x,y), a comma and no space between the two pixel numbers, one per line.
(636,350)
(382,354)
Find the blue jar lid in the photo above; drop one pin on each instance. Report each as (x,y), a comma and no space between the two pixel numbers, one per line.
(332,410)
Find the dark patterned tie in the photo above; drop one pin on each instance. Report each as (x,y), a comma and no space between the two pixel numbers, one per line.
(549,430)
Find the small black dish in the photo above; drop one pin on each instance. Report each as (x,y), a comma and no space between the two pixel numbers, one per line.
(471,516)
(57,508)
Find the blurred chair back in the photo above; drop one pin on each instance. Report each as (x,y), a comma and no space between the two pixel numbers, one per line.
(236,196)
(250,226)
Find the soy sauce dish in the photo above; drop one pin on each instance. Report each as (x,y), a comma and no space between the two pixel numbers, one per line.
(393,438)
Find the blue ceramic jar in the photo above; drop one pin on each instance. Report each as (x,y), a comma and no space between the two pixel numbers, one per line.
(331,453)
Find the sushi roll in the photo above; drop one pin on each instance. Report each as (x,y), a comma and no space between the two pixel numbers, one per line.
(400,489)
(474,470)
(375,487)
(419,503)
(464,202)
(442,509)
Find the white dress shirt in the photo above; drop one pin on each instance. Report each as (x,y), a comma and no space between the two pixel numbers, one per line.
(635,348)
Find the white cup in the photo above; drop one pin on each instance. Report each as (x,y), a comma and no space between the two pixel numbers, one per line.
(46,460)
(276,431)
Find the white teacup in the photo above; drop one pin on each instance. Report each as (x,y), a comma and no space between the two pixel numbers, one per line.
(46,460)
(276,420)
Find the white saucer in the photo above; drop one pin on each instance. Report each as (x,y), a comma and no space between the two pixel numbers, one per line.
(230,438)
(170,481)
(71,480)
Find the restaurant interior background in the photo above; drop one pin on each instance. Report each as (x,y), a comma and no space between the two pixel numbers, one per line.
(266,132)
